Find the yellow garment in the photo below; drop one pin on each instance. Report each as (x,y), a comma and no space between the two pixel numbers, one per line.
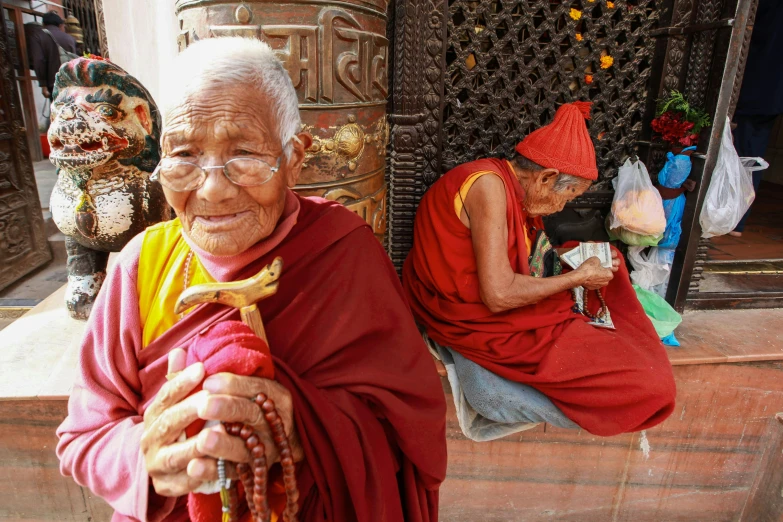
(463,194)
(161,277)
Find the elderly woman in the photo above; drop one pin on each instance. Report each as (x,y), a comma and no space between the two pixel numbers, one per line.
(475,281)
(355,387)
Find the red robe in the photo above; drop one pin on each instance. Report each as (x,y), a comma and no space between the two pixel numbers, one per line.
(606,381)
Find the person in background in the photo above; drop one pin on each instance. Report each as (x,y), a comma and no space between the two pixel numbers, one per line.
(43,48)
(476,282)
(761,97)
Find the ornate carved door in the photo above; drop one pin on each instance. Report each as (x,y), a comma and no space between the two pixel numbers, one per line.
(23,245)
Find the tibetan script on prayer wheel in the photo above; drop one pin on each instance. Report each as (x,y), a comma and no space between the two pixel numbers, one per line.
(337,57)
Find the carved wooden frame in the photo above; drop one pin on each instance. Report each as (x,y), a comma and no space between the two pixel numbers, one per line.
(22,201)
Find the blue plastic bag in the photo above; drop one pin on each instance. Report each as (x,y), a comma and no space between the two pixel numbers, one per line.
(673,175)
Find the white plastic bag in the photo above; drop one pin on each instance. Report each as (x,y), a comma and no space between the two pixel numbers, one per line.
(730,193)
(637,215)
(650,269)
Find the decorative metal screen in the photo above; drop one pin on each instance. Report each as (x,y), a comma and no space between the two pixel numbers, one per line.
(511,63)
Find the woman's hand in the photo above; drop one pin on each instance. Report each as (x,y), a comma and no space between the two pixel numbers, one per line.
(593,275)
(230,399)
(166,456)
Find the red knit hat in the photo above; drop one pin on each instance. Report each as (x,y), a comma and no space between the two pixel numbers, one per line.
(564,144)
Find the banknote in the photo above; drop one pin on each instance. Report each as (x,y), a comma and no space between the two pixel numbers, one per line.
(572,258)
(599,250)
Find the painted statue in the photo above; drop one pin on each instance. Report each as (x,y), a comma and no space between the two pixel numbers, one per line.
(104,141)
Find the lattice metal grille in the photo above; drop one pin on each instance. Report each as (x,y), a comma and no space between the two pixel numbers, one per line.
(511,63)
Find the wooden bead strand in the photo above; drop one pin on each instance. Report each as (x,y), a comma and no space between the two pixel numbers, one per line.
(254,476)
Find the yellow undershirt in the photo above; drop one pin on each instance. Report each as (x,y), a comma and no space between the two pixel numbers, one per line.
(161,277)
(462,195)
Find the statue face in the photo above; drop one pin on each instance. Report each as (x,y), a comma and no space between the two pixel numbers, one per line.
(92,126)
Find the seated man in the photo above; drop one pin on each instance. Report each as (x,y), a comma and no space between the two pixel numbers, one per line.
(468,280)
(355,388)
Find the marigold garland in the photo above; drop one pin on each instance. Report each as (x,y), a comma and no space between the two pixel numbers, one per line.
(578,37)
(575,14)
(588,79)
(606,62)
(610,5)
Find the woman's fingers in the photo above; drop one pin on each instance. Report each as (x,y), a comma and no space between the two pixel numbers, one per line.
(228,408)
(174,458)
(168,426)
(175,484)
(175,390)
(206,469)
(177,361)
(230,384)
(221,445)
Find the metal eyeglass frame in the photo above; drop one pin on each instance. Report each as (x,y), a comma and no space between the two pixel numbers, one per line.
(155,176)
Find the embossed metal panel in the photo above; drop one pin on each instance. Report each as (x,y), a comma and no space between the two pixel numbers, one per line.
(23,245)
(337,56)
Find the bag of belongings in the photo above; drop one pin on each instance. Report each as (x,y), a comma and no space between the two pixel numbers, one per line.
(637,216)
(730,193)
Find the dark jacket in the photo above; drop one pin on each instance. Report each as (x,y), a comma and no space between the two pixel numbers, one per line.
(43,52)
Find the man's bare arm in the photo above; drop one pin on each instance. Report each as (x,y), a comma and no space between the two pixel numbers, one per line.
(502,289)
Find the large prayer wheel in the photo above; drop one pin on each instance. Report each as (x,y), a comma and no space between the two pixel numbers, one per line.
(337,57)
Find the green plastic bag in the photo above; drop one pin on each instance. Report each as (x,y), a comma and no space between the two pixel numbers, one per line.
(664,318)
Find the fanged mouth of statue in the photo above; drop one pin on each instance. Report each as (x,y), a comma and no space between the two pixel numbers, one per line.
(76,152)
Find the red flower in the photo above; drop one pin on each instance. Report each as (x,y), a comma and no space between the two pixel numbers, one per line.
(673,129)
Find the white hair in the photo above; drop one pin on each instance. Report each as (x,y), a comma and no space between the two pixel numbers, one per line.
(231,61)
(565,181)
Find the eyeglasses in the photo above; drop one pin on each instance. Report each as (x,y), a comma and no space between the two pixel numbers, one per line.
(183,176)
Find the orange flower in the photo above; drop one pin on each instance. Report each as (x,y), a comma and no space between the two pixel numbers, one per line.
(575,14)
(578,37)
(588,79)
(606,62)
(610,5)
(601,135)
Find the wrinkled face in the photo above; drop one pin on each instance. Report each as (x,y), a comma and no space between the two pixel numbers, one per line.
(209,129)
(92,126)
(541,197)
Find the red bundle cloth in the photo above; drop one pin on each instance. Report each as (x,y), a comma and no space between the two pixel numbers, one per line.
(231,347)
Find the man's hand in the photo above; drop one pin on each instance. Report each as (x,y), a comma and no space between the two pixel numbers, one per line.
(165,455)
(615,262)
(45,92)
(230,400)
(593,275)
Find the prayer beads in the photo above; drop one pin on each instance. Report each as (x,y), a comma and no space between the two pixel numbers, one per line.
(254,475)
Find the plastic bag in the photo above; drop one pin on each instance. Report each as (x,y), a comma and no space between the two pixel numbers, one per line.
(637,216)
(663,317)
(629,238)
(730,193)
(648,270)
(673,175)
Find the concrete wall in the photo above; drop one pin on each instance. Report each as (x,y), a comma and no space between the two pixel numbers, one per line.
(142,38)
